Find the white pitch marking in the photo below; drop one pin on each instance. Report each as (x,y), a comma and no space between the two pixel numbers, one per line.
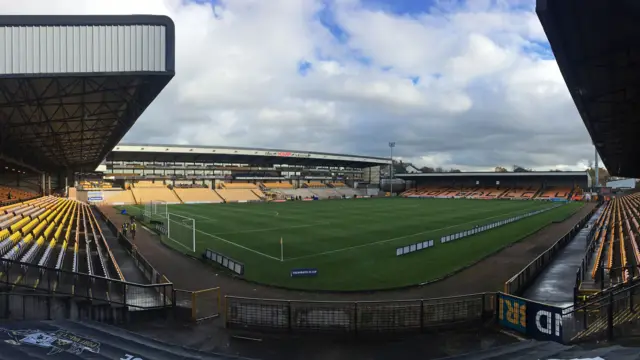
(238,245)
(396,238)
(273,228)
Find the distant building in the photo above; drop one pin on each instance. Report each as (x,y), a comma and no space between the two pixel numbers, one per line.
(622,184)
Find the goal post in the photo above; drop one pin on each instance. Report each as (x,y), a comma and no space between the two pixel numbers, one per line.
(156,210)
(182,230)
(159,209)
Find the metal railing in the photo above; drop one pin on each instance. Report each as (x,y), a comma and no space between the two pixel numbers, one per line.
(609,314)
(15,275)
(358,317)
(520,281)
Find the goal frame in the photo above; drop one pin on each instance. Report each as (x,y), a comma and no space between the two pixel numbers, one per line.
(183,219)
(156,208)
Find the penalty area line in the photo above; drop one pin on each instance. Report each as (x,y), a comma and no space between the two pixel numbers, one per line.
(238,245)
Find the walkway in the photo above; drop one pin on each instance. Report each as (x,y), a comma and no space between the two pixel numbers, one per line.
(555,285)
(191,274)
(128,267)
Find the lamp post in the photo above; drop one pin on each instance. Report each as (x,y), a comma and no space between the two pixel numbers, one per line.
(392,144)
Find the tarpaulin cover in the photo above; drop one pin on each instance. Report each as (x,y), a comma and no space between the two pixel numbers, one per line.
(69,340)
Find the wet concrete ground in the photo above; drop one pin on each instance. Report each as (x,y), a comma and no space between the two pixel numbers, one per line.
(209,337)
(555,285)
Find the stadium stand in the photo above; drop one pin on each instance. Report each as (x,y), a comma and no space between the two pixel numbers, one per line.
(197,195)
(554,193)
(39,232)
(95,184)
(325,193)
(118,197)
(521,193)
(11,194)
(616,253)
(147,191)
(240,192)
(350,192)
(148,184)
(269,185)
(487,193)
(237,195)
(303,192)
(314,184)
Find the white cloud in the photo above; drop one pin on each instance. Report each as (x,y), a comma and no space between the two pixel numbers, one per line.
(480,99)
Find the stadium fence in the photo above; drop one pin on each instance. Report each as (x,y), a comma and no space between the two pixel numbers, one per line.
(358,317)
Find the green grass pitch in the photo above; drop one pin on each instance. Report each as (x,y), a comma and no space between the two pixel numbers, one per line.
(352,242)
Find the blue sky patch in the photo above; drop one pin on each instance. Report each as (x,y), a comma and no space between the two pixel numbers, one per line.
(304,67)
(327,18)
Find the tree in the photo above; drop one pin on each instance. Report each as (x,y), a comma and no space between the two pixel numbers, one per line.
(500,169)
(426,169)
(556,170)
(455,171)
(518,168)
(439,170)
(399,168)
(603,175)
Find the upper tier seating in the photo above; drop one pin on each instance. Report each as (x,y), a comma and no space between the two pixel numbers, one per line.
(198,195)
(95,185)
(149,184)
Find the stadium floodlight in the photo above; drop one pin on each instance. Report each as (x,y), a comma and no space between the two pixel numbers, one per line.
(392,144)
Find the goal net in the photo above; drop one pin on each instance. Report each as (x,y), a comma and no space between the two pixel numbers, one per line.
(181,230)
(155,210)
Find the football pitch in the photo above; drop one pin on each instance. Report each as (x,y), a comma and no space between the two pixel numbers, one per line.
(352,243)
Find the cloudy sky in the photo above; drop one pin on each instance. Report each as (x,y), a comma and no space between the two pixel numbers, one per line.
(465,84)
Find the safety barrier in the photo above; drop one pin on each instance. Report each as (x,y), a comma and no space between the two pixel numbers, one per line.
(15,275)
(612,313)
(358,317)
(198,305)
(519,282)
